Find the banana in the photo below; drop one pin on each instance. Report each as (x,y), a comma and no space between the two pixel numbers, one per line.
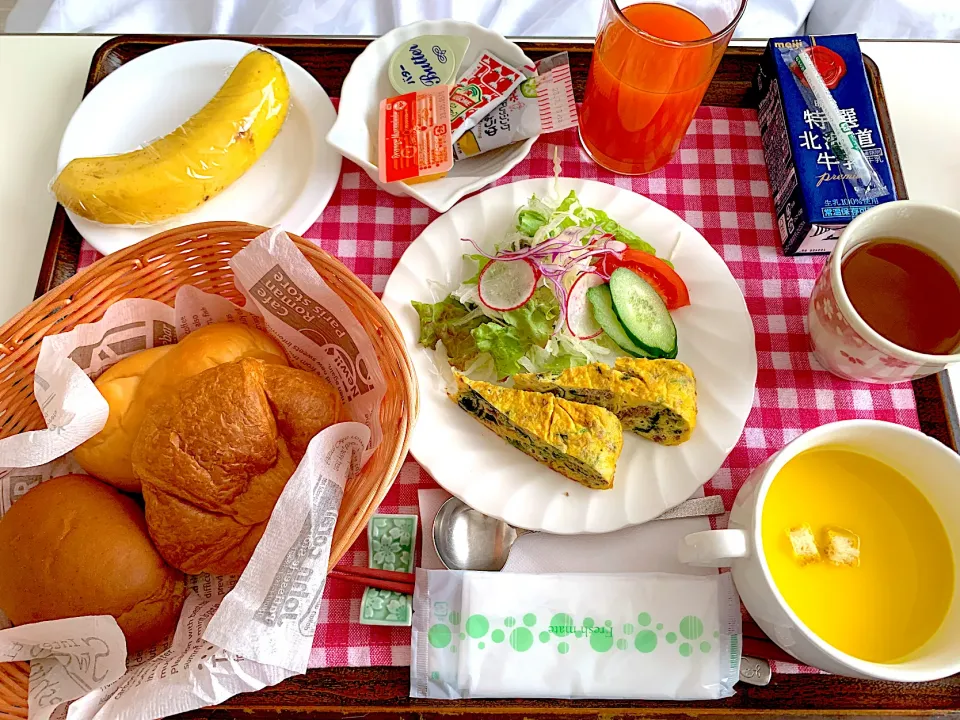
(182,170)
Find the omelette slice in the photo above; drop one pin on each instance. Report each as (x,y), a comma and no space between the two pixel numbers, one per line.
(581,442)
(657,399)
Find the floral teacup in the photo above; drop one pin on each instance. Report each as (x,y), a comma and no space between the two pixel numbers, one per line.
(843,343)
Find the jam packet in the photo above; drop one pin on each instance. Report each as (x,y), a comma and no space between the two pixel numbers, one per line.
(414,143)
(654,636)
(541,104)
(481,88)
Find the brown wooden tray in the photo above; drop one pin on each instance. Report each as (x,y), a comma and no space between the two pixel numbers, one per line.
(383,692)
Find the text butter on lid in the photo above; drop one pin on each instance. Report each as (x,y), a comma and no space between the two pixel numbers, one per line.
(414,136)
(427,61)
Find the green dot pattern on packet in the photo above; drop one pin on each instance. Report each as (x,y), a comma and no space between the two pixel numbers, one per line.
(643,619)
(608,623)
(439,635)
(645,641)
(477,626)
(544,636)
(481,645)
(659,626)
(704,647)
(521,639)
(716,633)
(454,618)
(670,637)
(588,622)
(691,627)
(561,624)
(627,629)
(621,644)
(509,621)
(686,649)
(601,641)
(463,636)
(563,648)
(529,619)
(497,636)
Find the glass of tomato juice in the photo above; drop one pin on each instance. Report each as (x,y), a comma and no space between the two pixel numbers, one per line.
(651,66)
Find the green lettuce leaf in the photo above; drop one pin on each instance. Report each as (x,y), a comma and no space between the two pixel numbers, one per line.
(549,362)
(588,217)
(535,319)
(445,321)
(482,261)
(628,237)
(568,202)
(505,345)
(529,221)
(527,328)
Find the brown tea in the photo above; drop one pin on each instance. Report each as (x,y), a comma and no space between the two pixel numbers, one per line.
(905,293)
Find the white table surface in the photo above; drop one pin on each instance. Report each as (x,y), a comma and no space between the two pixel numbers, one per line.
(42,79)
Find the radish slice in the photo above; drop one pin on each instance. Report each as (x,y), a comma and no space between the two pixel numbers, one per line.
(580,320)
(507,284)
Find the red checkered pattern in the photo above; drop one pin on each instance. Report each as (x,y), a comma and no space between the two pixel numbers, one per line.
(717,183)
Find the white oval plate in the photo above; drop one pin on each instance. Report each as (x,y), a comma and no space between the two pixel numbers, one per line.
(147,98)
(716,340)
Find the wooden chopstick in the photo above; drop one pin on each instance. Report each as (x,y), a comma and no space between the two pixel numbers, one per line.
(371,577)
(766,650)
(372,582)
(758,644)
(751,629)
(391,575)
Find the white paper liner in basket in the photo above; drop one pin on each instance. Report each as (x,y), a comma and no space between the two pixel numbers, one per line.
(233,635)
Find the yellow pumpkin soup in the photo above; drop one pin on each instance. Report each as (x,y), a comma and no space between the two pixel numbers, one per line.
(858,553)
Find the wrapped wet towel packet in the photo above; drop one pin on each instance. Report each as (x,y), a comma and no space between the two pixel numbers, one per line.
(654,636)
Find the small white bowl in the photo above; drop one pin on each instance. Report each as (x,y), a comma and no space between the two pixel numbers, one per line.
(354,133)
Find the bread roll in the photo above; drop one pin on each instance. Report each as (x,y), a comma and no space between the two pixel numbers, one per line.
(214,456)
(132,385)
(73,546)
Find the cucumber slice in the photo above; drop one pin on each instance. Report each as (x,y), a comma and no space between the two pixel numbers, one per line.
(643,314)
(602,303)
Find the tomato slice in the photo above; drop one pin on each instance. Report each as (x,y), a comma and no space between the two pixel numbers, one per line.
(663,278)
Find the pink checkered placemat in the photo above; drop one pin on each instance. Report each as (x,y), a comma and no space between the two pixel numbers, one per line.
(717,183)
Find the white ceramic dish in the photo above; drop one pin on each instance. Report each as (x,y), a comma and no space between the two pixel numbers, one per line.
(355,132)
(932,467)
(843,342)
(289,185)
(716,340)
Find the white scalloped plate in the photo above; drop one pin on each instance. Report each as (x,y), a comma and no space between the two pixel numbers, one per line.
(355,132)
(715,337)
(289,185)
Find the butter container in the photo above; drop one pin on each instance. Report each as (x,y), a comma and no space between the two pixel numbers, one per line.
(426,61)
(813,192)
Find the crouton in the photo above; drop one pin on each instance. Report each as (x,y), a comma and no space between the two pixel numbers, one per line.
(804,544)
(842,547)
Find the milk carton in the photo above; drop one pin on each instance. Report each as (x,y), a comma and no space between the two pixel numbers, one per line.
(813,191)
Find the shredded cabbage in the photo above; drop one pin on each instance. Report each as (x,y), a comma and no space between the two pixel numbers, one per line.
(564,239)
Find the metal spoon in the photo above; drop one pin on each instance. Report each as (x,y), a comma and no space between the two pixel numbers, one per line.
(466,539)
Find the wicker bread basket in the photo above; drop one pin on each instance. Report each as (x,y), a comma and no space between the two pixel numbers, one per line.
(155,268)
